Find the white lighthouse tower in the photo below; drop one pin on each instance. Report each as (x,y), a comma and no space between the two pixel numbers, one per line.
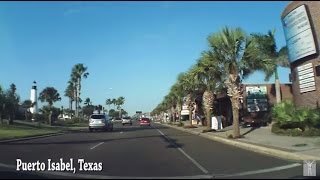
(33,98)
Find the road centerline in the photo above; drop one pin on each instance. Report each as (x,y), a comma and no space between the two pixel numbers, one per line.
(184,153)
(97,145)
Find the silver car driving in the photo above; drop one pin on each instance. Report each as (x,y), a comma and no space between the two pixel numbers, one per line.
(100,121)
(126,120)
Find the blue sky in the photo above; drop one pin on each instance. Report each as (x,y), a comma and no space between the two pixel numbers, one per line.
(131,49)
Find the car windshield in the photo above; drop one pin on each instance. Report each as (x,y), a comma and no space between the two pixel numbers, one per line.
(97,116)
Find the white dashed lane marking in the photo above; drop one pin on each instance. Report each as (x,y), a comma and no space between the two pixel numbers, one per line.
(96,145)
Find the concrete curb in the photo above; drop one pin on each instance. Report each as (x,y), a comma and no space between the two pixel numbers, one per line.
(259,149)
(32,137)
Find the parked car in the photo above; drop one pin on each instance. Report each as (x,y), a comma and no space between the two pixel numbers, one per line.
(126,120)
(144,121)
(100,121)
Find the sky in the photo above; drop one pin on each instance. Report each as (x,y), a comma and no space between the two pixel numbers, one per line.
(131,49)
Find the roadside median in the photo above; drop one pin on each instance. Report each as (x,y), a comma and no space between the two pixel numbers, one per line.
(23,131)
(250,146)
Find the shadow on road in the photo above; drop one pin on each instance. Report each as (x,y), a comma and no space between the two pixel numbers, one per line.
(172,143)
(252,129)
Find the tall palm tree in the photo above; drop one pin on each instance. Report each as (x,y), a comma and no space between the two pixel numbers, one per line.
(169,103)
(79,71)
(178,94)
(267,44)
(210,75)
(108,102)
(49,95)
(114,102)
(88,102)
(240,56)
(70,93)
(188,83)
(119,102)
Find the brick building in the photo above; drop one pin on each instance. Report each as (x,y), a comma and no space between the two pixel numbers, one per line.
(301,23)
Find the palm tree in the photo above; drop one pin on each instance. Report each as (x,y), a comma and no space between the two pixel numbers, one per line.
(188,83)
(108,102)
(119,102)
(240,56)
(88,102)
(70,93)
(210,75)
(27,104)
(114,102)
(79,71)
(178,93)
(169,103)
(267,44)
(49,95)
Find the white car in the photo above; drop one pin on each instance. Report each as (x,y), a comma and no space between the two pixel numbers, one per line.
(126,120)
(116,120)
(100,121)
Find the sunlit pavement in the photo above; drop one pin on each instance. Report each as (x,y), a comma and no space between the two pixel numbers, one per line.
(143,152)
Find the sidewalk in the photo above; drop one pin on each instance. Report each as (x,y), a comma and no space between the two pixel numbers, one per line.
(262,140)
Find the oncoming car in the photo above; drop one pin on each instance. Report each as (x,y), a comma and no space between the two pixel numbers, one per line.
(126,120)
(100,121)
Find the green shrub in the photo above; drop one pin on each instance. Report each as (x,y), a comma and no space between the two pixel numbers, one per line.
(40,118)
(276,129)
(289,117)
(313,118)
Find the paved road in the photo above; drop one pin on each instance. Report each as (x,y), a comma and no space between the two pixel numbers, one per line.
(143,152)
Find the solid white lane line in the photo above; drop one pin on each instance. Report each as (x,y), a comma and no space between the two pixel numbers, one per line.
(279,168)
(97,145)
(194,161)
(185,154)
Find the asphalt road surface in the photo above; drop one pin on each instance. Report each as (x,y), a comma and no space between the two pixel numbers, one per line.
(141,152)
